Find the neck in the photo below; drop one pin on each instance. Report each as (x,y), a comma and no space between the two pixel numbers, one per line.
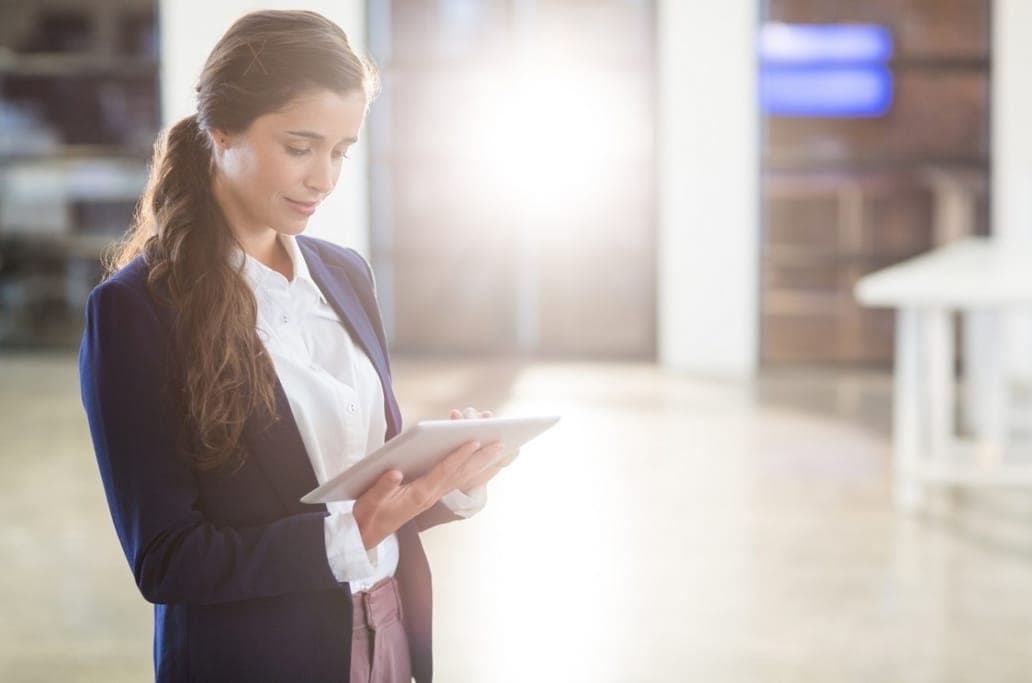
(262,246)
(260,242)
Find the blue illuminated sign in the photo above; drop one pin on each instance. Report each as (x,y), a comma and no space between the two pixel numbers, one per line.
(825,70)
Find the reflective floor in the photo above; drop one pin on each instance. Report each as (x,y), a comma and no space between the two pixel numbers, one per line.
(669,529)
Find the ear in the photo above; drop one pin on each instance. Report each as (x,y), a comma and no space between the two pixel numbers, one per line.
(220,140)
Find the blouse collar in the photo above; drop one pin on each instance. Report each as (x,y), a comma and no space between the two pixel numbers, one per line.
(261,277)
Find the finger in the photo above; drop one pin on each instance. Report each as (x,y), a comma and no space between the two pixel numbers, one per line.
(486,413)
(445,470)
(507,458)
(456,414)
(383,487)
(470,412)
(460,455)
(481,460)
(488,473)
(485,476)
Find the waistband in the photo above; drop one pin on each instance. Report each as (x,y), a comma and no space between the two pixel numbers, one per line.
(376,607)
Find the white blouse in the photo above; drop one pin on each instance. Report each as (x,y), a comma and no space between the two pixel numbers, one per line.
(336,399)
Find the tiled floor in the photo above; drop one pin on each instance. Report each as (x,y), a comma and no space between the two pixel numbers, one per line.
(670,529)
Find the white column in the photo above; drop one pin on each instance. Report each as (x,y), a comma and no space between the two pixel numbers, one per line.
(1011,107)
(708,214)
(189,30)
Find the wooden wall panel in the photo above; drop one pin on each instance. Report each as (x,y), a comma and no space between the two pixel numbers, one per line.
(845,197)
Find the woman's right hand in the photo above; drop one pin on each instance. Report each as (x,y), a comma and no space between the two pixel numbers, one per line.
(389,503)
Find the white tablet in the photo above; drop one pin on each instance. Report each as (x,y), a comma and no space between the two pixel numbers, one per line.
(417,449)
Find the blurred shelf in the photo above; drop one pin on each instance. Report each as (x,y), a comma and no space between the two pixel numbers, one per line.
(67,64)
(66,152)
(824,257)
(794,302)
(79,103)
(78,246)
(832,180)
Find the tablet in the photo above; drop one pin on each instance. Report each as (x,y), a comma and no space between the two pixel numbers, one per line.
(417,449)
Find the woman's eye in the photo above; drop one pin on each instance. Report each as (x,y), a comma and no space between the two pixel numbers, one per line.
(299,152)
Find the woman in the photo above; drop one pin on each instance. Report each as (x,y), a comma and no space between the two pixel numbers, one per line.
(230,365)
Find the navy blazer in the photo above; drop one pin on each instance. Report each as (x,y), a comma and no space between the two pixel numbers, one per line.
(235,564)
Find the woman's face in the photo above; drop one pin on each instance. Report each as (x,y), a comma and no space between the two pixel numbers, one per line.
(275,173)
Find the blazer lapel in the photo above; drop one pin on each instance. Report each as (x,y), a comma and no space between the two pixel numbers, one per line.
(336,283)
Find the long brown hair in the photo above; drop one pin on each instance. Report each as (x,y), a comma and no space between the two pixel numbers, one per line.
(222,374)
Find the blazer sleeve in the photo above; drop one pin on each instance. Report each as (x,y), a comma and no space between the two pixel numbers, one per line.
(176,554)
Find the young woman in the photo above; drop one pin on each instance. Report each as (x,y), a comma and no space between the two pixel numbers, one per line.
(230,365)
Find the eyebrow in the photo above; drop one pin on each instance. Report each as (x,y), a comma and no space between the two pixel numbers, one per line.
(316,136)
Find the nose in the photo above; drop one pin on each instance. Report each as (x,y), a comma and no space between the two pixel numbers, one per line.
(321,176)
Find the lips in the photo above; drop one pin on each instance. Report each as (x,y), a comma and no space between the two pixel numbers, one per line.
(306,208)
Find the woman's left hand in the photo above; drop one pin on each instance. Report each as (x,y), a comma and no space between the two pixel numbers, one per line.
(481,478)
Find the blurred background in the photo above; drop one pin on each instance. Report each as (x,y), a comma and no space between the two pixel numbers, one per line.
(767,258)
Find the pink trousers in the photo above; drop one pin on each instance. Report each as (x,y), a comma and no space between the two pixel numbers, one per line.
(379,647)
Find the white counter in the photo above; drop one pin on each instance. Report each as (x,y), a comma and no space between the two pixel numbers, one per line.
(978,280)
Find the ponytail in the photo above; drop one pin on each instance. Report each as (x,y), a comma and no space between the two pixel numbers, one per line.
(180,177)
(221,373)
